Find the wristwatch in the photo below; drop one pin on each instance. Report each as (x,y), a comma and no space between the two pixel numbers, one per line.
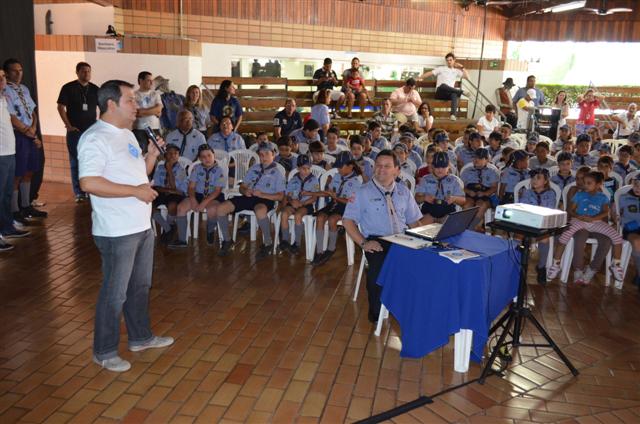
(363,243)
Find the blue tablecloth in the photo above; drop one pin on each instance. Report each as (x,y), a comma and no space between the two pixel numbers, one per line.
(432,297)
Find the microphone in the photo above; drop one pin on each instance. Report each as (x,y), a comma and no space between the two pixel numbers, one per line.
(152,136)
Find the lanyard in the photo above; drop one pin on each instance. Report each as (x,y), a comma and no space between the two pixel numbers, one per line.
(391,210)
(184,141)
(440,190)
(171,178)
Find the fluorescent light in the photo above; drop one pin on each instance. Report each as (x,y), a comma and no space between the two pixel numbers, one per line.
(565,7)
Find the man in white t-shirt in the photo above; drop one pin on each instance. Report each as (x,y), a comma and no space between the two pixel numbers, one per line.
(446,77)
(149,109)
(115,173)
(526,107)
(627,121)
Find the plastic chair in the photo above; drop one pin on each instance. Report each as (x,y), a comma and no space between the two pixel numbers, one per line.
(329,158)
(409,180)
(630,177)
(627,249)
(553,171)
(242,160)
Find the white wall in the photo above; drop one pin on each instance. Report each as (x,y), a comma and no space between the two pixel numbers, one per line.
(74,18)
(57,68)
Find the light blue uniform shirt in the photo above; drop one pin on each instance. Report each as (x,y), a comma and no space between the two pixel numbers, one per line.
(511,176)
(229,143)
(485,176)
(270,180)
(381,143)
(297,185)
(416,158)
(21,110)
(562,181)
(545,199)
(623,170)
(187,143)
(369,209)
(466,155)
(301,138)
(345,187)
(207,179)
(179,174)
(366,166)
(584,160)
(630,208)
(450,185)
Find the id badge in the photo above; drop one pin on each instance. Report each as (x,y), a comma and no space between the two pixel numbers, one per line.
(85,107)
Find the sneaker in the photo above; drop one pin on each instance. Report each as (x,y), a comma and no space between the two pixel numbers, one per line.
(283,246)
(588,276)
(18,225)
(20,219)
(178,244)
(542,275)
(453,117)
(553,272)
(15,233)
(618,284)
(31,212)
(210,238)
(578,277)
(155,343)
(294,249)
(264,251)
(316,258)
(115,364)
(326,255)
(225,248)
(79,198)
(166,237)
(617,271)
(4,246)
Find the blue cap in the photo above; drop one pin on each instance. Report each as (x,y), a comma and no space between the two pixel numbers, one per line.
(303,160)
(565,127)
(342,159)
(440,160)
(519,155)
(481,154)
(441,137)
(264,147)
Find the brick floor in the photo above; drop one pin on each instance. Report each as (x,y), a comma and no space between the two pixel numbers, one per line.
(282,343)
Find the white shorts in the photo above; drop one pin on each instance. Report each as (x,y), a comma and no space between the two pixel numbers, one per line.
(335,95)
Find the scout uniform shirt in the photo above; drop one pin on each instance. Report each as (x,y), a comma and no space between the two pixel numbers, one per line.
(546,199)
(297,185)
(229,143)
(179,175)
(562,181)
(345,187)
(188,143)
(583,160)
(207,179)
(268,180)
(20,103)
(479,179)
(512,176)
(630,211)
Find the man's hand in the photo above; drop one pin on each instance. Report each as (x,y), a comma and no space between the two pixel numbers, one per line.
(145,193)
(153,150)
(429,198)
(71,128)
(30,132)
(38,143)
(371,246)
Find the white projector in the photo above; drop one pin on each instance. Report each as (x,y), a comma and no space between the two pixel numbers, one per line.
(531,216)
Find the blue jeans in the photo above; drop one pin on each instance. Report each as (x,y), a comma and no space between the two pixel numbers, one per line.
(72,146)
(127,266)
(7,174)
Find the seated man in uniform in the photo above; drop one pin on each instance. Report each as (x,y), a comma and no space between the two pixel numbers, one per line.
(380,207)
(263,185)
(187,138)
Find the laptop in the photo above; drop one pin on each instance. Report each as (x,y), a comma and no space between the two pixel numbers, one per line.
(454,224)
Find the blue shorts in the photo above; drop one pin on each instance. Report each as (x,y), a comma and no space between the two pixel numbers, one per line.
(27,155)
(244,203)
(201,196)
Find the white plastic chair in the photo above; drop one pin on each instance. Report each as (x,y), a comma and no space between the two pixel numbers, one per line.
(303,148)
(243,159)
(329,159)
(409,180)
(567,256)
(553,171)
(519,138)
(630,177)
(627,249)
(308,221)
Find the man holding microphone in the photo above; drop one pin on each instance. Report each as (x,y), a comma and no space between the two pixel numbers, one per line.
(114,172)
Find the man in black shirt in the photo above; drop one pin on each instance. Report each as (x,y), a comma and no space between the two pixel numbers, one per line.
(77,105)
(326,79)
(286,120)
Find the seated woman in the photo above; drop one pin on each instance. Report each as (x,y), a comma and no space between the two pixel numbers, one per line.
(425,119)
(440,191)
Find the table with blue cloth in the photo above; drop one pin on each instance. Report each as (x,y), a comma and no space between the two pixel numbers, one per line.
(433,297)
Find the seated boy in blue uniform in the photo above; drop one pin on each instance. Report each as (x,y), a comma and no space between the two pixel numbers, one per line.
(630,220)
(440,191)
(480,186)
(582,157)
(316,152)
(564,176)
(374,134)
(494,145)
(414,155)
(517,170)
(623,166)
(339,191)
(263,185)
(302,192)
(364,163)
(206,182)
(467,153)
(285,156)
(170,181)
(308,133)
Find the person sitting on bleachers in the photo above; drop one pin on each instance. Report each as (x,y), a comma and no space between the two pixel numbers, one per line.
(186,137)
(356,84)
(340,191)
(425,119)
(623,166)
(542,158)
(386,118)
(300,196)
(226,139)
(374,133)
(564,176)
(285,156)
(206,182)
(326,79)
(582,157)
(363,162)
(320,112)
(226,104)
(488,123)
(170,181)
(439,192)
(308,132)
(480,186)
(446,77)
(263,185)
(517,169)
(193,103)
(540,194)
(564,136)
(286,120)
(627,122)
(405,101)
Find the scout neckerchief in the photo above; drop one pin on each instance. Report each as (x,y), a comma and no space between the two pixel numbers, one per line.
(302,183)
(343,181)
(207,175)
(261,173)
(171,178)
(391,210)
(184,140)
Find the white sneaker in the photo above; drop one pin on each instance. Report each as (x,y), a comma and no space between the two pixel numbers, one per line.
(578,276)
(618,284)
(453,117)
(617,271)
(553,271)
(588,275)
(155,343)
(115,364)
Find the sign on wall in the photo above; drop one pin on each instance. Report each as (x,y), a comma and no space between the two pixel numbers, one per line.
(107,45)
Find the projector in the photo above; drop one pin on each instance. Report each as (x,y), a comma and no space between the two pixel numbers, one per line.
(531,216)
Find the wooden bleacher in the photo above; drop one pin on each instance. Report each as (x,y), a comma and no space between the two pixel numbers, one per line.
(261,104)
(620,97)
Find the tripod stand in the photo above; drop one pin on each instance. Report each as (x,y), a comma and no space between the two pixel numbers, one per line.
(518,312)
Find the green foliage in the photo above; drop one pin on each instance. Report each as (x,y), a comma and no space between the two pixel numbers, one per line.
(573,91)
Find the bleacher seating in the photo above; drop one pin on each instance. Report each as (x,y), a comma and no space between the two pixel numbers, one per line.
(260,104)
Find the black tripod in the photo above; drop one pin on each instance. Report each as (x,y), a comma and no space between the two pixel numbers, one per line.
(518,312)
